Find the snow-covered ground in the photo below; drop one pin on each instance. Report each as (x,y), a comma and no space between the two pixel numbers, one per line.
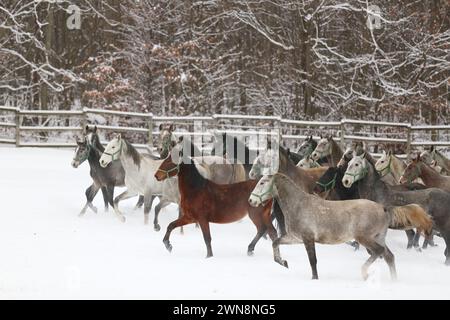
(47,251)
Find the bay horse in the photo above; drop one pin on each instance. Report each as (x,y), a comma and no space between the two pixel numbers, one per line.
(328,147)
(310,219)
(418,169)
(434,201)
(204,201)
(89,148)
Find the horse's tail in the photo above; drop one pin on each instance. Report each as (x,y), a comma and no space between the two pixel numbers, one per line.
(410,216)
(278,215)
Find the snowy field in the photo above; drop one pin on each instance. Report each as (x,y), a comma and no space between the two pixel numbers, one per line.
(47,251)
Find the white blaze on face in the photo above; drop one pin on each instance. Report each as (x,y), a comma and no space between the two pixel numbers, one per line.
(356,166)
(261,193)
(305,163)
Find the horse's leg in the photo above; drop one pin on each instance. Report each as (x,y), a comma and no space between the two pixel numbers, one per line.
(140,203)
(446,237)
(410,234)
(311,250)
(148,201)
(177,223)
(276,250)
(416,239)
(90,195)
(105,197)
(262,219)
(375,249)
(124,195)
(390,260)
(204,225)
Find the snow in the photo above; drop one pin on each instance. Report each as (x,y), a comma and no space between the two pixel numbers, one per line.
(49,252)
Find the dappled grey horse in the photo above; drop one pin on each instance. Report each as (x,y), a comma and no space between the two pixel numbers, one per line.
(310,219)
(89,148)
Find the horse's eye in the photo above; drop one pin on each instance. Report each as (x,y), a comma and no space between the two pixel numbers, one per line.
(356,164)
(382,161)
(113,147)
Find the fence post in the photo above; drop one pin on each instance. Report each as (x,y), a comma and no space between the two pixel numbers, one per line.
(342,128)
(84,119)
(150,132)
(408,142)
(18,123)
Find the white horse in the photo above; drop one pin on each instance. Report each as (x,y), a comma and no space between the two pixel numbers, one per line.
(139,178)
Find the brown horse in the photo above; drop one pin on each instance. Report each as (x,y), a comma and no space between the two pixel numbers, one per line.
(204,201)
(419,169)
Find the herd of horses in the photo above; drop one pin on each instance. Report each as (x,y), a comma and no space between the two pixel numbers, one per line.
(319,194)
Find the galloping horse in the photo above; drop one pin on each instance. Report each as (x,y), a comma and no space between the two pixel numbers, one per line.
(310,219)
(139,178)
(89,148)
(328,148)
(204,201)
(434,201)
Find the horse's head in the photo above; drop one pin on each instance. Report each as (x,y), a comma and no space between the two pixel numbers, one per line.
(263,192)
(427,157)
(167,169)
(412,171)
(90,134)
(166,139)
(346,157)
(327,181)
(356,170)
(307,163)
(112,151)
(81,152)
(323,148)
(307,147)
(383,165)
(266,163)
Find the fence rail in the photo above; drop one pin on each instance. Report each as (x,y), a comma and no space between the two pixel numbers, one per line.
(14,122)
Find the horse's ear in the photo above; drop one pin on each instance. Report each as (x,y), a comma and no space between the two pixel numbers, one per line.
(95,129)
(119,136)
(172,127)
(173,143)
(389,152)
(329,137)
(160,127)
(86,128)
(180,139)
(432,148)
(321,136)
(354,154)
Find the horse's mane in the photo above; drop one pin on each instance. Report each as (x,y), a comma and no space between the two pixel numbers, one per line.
(194,179)
(96,142)
(133,153)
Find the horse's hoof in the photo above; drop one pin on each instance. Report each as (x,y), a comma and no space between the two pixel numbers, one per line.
(315,277)
(168,246)
(447,262)
(122,219)
(94,209)
(81,214)
(284,263)
(409,246)
(418,249)
(156,227)
(208,256)
(250,253)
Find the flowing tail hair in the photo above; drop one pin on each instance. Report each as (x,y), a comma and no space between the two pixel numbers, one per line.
(409,217)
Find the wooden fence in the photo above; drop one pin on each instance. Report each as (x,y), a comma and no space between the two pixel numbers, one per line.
(26,128)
